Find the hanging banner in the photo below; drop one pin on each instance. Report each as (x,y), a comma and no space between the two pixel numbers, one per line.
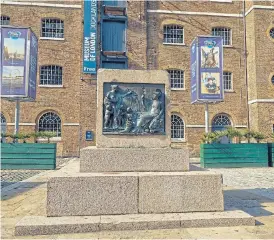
(90,36)
(18,79)
(33,65)
(207,69)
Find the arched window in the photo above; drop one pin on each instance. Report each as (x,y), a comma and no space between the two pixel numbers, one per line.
(177,127)
(219,123)
(5,20)
(3,123)
(51,122)
(173,34)
(177,80)
(51,75)
(52,28)
(223,32)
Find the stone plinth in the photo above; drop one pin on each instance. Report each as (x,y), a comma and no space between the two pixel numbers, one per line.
(32,225)
(134,192)
(91,195)
(95,159)
(131,141)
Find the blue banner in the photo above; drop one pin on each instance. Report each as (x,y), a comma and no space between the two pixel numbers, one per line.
(207,69)
(90,36)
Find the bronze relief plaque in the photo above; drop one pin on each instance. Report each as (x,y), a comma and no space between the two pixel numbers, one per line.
(133,108)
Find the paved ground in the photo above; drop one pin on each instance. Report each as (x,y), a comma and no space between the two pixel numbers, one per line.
(249,189)
(9,177)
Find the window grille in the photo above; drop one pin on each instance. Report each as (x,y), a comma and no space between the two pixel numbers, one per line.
(173,34)
(176,78)
(5,20)
(227,76)
(50,122)
(221,120)
(271,33)
(177,127)
(52,28)
(223,32)
(51,75)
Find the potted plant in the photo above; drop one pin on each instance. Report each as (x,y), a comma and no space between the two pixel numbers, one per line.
(213,154)
(22,155)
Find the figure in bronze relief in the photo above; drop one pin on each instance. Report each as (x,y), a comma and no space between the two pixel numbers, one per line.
(134,109)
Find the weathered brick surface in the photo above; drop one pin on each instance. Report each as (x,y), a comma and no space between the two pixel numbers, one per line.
(76,101)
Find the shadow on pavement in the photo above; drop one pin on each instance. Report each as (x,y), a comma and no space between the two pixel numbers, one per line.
(248,200)
(10,192)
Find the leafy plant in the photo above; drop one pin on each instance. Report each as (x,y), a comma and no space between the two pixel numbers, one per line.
(45,134)
(210,137)
(258,136)
(19,136)
(247,134)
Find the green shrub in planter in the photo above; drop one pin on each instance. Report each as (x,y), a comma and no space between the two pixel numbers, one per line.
(28,155)
(216,155)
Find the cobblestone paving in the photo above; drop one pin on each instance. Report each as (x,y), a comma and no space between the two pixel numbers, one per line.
(9,177)
(259,181)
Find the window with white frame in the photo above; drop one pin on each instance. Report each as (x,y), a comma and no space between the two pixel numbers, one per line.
(52,28)
(227,76)
(223,32)
(50,122)
(5,20)
(51,75)
(271,33)
(177,80)
(173,34)
(177,127)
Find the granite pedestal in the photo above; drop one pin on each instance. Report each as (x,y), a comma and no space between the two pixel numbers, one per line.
(131,182)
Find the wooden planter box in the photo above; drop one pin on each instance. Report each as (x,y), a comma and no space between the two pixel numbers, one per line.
(270,154)
(28,155)
(234,155)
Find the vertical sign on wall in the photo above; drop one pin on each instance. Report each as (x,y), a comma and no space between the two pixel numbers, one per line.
(19,47)
(90,36)
(207,76)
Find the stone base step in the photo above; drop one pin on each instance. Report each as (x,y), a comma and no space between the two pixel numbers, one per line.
(40,225)
(90,194)
(93,159)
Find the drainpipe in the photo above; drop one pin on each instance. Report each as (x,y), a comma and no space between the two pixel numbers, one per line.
(245,66)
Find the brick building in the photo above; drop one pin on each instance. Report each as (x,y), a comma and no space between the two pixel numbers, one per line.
(146,35)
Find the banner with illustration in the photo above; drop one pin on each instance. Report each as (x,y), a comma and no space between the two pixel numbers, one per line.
(13,69)
(15,61)
(90,36)
(209,70)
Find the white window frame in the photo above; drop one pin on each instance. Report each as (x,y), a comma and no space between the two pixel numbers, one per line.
(228,90)
(57,133)
(177,89)
(52,38)
(167,43)
(230,40)
(4,16)
(51,85)
(178,139)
